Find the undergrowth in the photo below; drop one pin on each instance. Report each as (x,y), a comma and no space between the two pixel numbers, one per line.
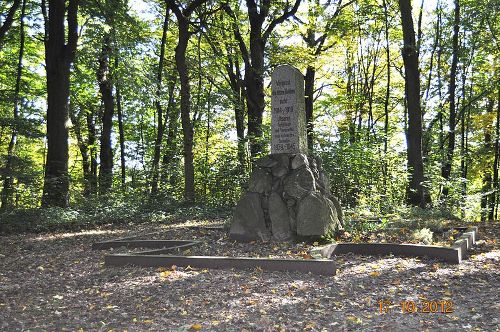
(106,210)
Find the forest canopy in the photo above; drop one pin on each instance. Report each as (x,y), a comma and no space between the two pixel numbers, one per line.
(170,100)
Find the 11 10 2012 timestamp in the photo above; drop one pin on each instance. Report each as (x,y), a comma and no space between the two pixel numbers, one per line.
(424,306)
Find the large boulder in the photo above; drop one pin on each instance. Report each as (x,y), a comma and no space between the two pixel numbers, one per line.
(248,220)
(316,215)
(299,183)
(280,219)
(288,196)
(260,181)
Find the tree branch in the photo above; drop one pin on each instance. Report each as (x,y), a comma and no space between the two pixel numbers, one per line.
(280,19)
(8,20)
(237,35)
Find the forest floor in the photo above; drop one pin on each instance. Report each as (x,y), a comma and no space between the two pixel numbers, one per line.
(55,282)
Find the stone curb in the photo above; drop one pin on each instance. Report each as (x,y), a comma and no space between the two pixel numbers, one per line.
(152,258)
(316,266)
(454,254)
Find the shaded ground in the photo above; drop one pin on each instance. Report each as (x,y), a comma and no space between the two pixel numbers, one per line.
(56,282)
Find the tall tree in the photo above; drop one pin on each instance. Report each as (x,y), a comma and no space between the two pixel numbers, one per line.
(8,179)
(416,193)
(452,120)
(183,22)
(253,56)
(108,102)
(59,54)
(160,127)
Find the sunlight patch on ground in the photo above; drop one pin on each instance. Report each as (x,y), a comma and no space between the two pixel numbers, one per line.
(47,237)
(377,266)
(195,223)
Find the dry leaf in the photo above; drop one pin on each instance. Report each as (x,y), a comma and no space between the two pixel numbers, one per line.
(196,327)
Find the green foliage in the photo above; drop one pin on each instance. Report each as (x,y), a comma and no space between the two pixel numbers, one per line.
(423,236)
(365,161)
(117,208)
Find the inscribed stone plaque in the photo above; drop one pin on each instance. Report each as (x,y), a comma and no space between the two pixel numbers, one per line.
(288,116)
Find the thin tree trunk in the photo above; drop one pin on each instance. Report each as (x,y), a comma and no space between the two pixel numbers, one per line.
(207,146)
(159,109)
(239,113)
(387,93)
(487,179)
(415,192)
(58,57)
(182,16)
(121,131)
(187,127)
(106,89)
(309,104)
(493,214)
(171,117)
(494,195)
(82,146)
(446,168)
(92,152)
(8,179)
(9,19)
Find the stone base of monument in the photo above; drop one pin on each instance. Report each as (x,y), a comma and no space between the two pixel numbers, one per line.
(288,196)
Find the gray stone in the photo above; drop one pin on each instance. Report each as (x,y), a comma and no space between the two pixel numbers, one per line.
(248,220)
(264,202)
(288,116)
(338,208)
(325,182)
(267,162)
(280,219)
(299,160)
(279,171)
(277,187)
(260,181)
(316,215)
(299,183)
(319,162)
(283,159)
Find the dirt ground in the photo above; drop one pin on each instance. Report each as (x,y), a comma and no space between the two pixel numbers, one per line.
(55,282)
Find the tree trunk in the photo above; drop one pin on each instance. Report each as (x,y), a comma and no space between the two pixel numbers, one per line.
(58,58)
(254,84)
(121,132)
(171,118)
(207,145)
(416,194)
(446,168)
(159,110)
(485,196)
(82,146)
(106,89)
(9,19)
(187,127)
(387,92)
(8,179)
(92,184)
(239,114)
(182,16)
(254,64)
(493,207)
(309,103)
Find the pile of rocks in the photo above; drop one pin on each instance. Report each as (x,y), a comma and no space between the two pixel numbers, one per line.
(288,196)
